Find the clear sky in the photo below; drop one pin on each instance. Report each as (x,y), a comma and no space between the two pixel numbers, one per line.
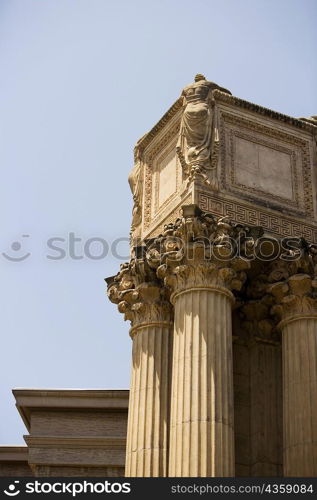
(81,81)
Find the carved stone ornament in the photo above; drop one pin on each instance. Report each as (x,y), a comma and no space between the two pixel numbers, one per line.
(194,147)
(136,186)
(294,286)
(139,295)
(199,250)
(295,297)
(196,251)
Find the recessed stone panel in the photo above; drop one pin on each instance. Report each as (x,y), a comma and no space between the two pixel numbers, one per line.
(167,178)
(263,168)
(266,165)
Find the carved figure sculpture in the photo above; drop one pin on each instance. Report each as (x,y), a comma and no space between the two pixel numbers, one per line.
(195,138)
(136,186)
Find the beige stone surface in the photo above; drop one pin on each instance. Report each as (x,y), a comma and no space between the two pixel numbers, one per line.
(74,430)
(263,168)
(202,441)
(300,397)
(145,303)
(257,376)
(14,461)
(148,426)
(78,471)
(296,306)
(266,426)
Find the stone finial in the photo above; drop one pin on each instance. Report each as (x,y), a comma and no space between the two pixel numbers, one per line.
(199,77)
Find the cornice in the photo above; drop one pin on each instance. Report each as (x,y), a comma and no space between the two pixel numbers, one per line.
(13,453)
(256,108)
(106,443)
(71,399)
(69,393)
(228,99)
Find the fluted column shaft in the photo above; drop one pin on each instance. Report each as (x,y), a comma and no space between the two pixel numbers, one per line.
(300,396)
(297,306)
(258,397)
(202,436)
(266,409)
(144,301)
(148,419)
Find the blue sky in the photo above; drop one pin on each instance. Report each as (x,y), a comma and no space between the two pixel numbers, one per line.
(81,81)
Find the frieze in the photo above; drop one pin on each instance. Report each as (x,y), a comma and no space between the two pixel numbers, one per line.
(239,212)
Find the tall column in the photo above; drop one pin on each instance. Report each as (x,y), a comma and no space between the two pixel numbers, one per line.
(262,421)
(143,301)
(201,429)
(202,437)
(297,308)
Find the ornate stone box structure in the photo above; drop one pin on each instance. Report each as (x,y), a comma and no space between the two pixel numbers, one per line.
(260,169)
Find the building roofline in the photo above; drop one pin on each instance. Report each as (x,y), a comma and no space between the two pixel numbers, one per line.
(145,140)
(13,453)
(28,400)
(256,108)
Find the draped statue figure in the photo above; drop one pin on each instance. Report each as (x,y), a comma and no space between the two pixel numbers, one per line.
(195,137)
(136,185)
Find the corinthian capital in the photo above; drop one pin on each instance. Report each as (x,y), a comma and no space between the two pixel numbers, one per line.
(203,274)
(201,251)
(295,297)
(139,295)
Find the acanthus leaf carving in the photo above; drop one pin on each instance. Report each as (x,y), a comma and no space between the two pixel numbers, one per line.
(139,295)
(199,251)
(294,297)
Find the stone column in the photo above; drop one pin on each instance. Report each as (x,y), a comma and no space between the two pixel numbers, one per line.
(261,423)
(143,301)
(201,430)
(202,439)
(297,307)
